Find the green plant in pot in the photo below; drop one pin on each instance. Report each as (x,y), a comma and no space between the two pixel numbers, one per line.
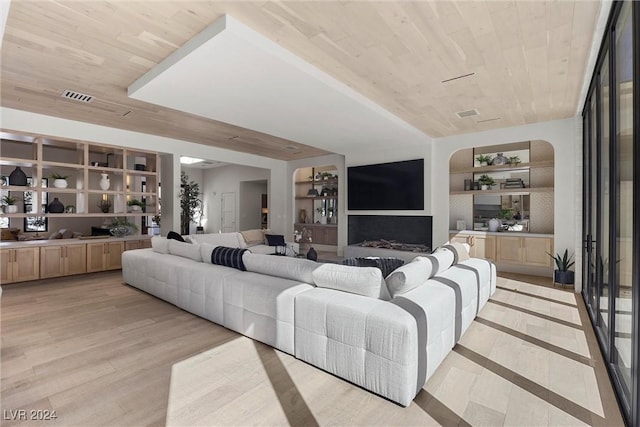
(514,160)
(9,203)
(484,160)
(189,202)
(562,274)
(59,180)
(486,181)
(136,205)
(121,227)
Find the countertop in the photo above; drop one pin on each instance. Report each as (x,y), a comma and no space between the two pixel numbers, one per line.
(500,233)
(13,244)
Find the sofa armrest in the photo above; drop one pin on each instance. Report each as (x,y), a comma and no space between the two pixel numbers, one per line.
(370,342)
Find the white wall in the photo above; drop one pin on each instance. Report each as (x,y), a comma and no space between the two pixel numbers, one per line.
(563,135)
(227,179)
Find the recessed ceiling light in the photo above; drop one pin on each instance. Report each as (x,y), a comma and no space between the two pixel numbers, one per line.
(189,160)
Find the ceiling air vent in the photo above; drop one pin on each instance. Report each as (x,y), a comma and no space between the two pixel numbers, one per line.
(77,96)
(468,113)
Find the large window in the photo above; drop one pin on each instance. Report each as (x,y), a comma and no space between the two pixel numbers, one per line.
(611,182)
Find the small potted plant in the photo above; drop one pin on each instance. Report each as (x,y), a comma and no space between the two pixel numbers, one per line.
(483,160)
(59,180)
(514,160)
(104,205)
(562,274)
(9,203)
(486,182)
(136,205)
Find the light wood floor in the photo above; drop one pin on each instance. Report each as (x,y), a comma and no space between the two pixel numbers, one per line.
(102,353)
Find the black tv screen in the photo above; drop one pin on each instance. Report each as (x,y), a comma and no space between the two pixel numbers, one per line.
(386,186)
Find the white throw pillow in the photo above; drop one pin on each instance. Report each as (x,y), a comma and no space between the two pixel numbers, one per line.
(442,259)
(409,276)
(281,266)
(160,244)
(205,252)
(253,237)
(185,250)
(367,281)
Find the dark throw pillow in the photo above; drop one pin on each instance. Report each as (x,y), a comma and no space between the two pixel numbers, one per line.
(228,257)
(275,239)
(385,264)
(175,236)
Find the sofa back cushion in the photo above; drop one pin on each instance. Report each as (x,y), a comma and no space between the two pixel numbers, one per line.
(230,240)
(460,251)
(160,244)
(409,276)
(280,266)
(228,257)
(185,250)
(367,281)
(252,237)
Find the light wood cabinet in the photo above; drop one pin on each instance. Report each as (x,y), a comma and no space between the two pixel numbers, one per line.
(63,260)
(536,250)
(19,265)
(104,256)
(137,244)
(480,246)
(509,249)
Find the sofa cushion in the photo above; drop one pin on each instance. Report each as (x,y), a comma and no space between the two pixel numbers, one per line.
(441,259)
(160,244)
(252,237)
(385,264)
(229,257)
(286,267)
(409,276)
(367,281)
(185,250)
(230,240)
(175,236)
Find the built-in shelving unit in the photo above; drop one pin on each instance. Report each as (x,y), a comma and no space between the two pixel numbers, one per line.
(132,174)
(317,213)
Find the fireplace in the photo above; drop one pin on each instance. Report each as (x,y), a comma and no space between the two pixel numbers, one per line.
(412,230)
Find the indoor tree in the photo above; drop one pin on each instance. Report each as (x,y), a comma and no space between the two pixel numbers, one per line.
(190,202)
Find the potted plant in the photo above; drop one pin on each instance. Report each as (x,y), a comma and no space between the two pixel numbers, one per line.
(562,274)
(486,181)
(104,205)
(189,202)
(483,160)
(136,205)
(59,180)
(9,203)
(514,160)
(121,227)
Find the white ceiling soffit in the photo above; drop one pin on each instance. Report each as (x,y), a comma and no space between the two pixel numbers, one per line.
(232,74)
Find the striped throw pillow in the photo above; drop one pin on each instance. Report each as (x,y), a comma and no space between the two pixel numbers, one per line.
(228,257)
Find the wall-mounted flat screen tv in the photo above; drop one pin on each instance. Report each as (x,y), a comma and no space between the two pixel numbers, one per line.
(386,186)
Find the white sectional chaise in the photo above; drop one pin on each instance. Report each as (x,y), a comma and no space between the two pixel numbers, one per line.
(338,318)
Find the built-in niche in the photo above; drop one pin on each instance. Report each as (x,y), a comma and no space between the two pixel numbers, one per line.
(511,182)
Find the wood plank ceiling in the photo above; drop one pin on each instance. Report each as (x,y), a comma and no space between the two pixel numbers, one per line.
(527,58)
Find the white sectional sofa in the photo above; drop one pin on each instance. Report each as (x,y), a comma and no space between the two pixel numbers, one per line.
(387,336)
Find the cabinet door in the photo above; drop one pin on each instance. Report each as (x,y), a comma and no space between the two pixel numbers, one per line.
(535,251)
(320,236)
(114,255)
(6,271)
(484,247)
(26,265)
(509,249)
(455,238)
(51,261)
(75,259)
(96,254)
(131,245)
(145,244)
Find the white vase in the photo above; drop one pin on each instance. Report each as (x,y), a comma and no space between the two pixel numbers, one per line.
(323,220)
(104,182)
(494,224)
(60,183)
(11,209)
(484,187)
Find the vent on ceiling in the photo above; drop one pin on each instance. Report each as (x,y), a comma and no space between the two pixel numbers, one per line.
(489,120)
(468,113)
(77,96)
(291,147)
